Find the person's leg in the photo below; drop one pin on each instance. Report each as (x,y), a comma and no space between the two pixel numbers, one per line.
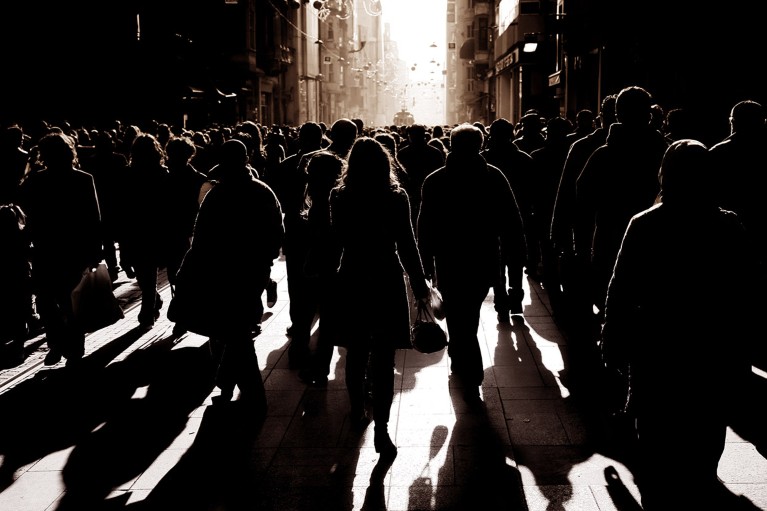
(382,376)
(462,312)
(146,276)
(357,356)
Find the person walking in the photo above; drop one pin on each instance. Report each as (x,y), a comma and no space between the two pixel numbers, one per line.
(517,166)
(370,218)
(238,232)
(686,373)
(64,227)
(145,241)
(418,159)
(619,180)
(468,220)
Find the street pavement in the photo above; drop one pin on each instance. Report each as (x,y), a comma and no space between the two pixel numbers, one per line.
(134,428)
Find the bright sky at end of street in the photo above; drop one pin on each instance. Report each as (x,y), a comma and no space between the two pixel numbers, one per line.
(416,25)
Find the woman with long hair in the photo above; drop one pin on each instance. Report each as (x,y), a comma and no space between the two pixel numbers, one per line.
(370,219)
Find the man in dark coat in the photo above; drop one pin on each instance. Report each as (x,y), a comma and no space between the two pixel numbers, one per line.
(619,180)
(237,236)
(467,211)
(740,161)
(517,166)
(64,225)
(419,159)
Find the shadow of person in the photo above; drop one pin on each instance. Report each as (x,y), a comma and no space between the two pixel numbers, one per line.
(421,491)
(138,429)
(478,472)
(79,399)
(552,431)
(217,469)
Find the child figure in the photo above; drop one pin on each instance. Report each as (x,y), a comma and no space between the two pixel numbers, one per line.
(15,282)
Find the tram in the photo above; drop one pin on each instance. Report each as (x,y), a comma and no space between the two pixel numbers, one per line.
(403,118)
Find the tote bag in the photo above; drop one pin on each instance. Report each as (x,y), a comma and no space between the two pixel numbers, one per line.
(93,301)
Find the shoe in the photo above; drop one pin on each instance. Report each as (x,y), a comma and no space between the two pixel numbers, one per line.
(271,293)
(157,306)
(383,444)
(146,325)
(53,357)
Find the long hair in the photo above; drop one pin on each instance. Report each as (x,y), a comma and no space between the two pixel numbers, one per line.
(322,173)
(146,150)
(57,150)
(370,169)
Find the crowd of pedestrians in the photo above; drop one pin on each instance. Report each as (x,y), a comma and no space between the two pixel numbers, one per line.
(625,221)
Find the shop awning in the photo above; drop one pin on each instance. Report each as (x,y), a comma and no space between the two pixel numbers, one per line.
(467,49)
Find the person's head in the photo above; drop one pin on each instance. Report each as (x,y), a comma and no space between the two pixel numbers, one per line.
(657,117)
(747,117)
(180,150)
(360,126)
(501,131)
(369,167)
(310,136)
(584,120)
(466,140)
(557,129)
(437,142)
(633,106)
(343,133)
(416,134)
(388,141)
(607,110)
(57,150)
(234,153)
(146,150)
(531,123)
(322,174)
(686,174)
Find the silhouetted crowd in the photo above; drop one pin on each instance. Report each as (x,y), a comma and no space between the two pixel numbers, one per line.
(648,243)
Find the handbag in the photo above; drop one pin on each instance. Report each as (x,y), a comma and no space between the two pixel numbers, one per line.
(94,304)
(190,307)
(426,335)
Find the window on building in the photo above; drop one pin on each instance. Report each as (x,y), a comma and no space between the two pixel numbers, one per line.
(251,28)
(533,7)
(482,35)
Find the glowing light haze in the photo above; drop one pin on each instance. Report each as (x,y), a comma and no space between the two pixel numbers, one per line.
(416,25)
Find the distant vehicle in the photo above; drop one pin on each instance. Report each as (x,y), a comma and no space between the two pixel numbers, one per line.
(403,118)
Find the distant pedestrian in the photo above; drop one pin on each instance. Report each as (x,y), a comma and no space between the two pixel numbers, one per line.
(518,168)
(184,183)
(686,372)
(145,241)
(419,159)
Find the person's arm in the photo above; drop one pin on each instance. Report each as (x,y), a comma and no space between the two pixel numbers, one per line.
(407,247)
